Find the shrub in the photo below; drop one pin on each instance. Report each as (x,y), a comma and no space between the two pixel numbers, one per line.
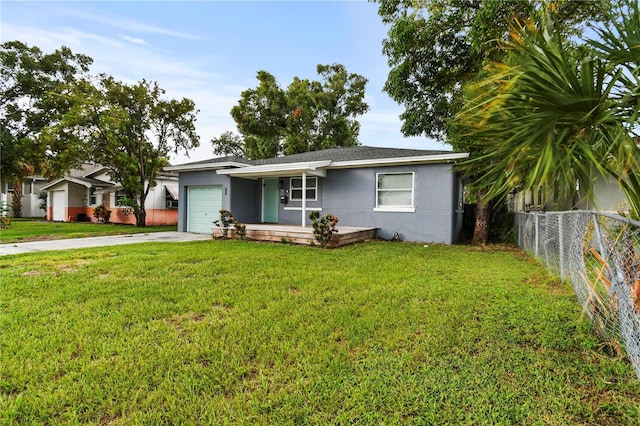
(241,230)
(129,206)
(225,221)
(101,214)
(42,196)
(323,227)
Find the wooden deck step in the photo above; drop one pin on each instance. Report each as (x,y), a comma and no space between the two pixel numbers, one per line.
(298,235)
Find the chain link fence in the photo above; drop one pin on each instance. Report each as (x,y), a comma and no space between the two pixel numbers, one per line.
(599,254)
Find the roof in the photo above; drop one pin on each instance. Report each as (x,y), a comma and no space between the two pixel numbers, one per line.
(84,181)
(358,156)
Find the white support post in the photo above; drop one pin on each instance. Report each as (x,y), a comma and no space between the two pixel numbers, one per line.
(304,197)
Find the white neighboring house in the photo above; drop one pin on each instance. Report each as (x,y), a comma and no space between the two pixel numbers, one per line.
(31,187)
(74,197)
(608,196)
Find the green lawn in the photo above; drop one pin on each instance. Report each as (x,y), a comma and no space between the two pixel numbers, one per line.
(22,230)
(233,332)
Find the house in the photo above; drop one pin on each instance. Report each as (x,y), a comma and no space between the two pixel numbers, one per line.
(414,193)
(31,187)
(75,196)
(607,196)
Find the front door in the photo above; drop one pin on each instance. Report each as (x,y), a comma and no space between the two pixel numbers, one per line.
(270,200)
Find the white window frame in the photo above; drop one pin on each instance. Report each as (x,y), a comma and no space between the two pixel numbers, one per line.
(314,188)
(399,208)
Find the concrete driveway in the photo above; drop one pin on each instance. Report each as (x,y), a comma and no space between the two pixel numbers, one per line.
(115,240)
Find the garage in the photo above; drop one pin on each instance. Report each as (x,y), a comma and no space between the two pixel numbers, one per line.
(58,201)
(203,207)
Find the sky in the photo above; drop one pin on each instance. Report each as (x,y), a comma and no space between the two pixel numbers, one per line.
(211,51)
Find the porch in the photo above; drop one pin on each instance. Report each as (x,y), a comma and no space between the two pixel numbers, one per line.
(295,234)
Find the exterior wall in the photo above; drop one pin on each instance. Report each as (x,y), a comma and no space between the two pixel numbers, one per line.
(201,178)
(155,205)
(31,187)
(245,202)
(350,195)
(608,196)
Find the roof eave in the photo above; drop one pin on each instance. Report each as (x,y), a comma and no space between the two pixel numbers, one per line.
(424,159)
(314,168)
(205,166)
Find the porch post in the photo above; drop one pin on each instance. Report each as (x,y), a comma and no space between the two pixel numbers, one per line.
(304,197)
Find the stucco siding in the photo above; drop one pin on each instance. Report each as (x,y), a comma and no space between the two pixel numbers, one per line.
(350,195)
(245,200)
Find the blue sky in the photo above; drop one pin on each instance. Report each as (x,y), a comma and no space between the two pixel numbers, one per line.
(210,51)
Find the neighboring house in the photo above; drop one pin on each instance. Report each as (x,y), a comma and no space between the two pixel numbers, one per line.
(414,193)
(74,197)
(31,187)
(607,196)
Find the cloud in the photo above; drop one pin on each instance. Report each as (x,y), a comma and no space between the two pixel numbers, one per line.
(122,22)
(133,40)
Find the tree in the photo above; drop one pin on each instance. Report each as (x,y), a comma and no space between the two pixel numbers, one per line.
(434,47)
(308,116)
(552,114)
(228,143)
(130,130)
(29,78)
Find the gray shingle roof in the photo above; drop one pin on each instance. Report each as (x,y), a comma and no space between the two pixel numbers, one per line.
(336,154)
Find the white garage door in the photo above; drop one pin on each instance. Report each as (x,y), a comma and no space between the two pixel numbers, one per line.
(59,205)
(204,204)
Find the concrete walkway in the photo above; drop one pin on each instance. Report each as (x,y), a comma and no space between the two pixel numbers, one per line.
(114,240)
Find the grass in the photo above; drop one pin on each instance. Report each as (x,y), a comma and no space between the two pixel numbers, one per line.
(23,230)
(232,332)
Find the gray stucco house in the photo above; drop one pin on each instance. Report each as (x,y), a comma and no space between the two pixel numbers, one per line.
(415,193)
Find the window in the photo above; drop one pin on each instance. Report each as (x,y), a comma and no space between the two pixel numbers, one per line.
(9,186)
(394,192)
(171,197)
(93,200)
(119,197)
(296,189)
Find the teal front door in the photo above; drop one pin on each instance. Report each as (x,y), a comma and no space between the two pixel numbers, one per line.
(270,200)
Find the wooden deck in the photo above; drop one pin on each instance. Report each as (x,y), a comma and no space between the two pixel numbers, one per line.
(299,235)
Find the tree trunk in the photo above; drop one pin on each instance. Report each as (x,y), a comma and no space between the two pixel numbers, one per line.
(141,217)
(483,216)
(16,199)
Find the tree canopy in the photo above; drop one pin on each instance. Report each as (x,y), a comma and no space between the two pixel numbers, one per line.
(307,116)
(28,78)
(435,46)
(130,129)
(554,114)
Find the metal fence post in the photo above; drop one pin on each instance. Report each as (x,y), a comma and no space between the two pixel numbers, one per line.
(537,234)
(561,245)
(598,234)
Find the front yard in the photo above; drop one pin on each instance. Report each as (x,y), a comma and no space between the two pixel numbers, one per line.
(232,332)
(23,230)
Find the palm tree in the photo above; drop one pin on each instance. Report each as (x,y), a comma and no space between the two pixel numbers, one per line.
(553,113)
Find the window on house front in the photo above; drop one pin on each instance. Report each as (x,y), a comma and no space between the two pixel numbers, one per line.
(119,197)
(93,200)
(394,192)
(9,186)
(312,189)
(171,197)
